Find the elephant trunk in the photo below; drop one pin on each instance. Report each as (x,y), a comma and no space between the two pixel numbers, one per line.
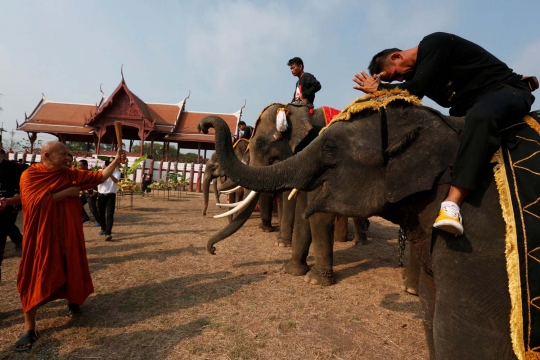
(206,191)
(296,172)
(232,227)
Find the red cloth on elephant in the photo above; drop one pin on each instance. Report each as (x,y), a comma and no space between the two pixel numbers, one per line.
(53,263)
(329,113)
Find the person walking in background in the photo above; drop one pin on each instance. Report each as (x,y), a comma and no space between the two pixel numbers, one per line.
(306,86)
(10,174)
(89,197)
(107,202)
(146,181)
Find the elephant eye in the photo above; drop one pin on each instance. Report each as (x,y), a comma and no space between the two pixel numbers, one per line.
(330,145)
(260,143)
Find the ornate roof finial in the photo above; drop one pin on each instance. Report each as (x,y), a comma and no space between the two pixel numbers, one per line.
(25,116)
(244,105)
(101,90)
(122,72)
(189,95)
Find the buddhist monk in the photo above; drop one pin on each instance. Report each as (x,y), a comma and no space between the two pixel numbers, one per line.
(54,263)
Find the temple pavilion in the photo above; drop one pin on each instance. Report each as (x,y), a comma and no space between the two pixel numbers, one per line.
(143,121)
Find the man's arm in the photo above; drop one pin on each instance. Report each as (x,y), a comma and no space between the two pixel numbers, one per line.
(71,191)
(311,86)
(114,179)
(4,202)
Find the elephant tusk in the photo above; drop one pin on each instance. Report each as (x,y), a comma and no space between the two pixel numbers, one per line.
(229,205)
(293,194)
(242,206)
(231,191)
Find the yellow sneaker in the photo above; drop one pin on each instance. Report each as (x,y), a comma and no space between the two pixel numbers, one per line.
(449,220)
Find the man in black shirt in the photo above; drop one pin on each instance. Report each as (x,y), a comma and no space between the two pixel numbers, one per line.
(247,130)
(306,86)
(10,174)
(459,74)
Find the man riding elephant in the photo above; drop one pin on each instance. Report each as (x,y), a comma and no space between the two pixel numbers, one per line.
(459,74)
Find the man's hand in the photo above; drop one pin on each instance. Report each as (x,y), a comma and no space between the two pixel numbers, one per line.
(3,203)
(366,83)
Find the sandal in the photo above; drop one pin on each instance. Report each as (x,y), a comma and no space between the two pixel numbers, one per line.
(26,340)
(74,310)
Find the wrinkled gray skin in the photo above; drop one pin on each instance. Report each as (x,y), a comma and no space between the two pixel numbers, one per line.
(270,146)
(214,171)
(464,285)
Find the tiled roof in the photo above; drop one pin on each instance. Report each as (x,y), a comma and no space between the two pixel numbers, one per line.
(170,121)
(61,113)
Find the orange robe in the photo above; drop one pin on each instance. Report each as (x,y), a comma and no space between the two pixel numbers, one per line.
(53,263)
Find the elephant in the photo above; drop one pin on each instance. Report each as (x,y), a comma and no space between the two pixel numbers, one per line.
(214,171)
(269,146)
(396,164)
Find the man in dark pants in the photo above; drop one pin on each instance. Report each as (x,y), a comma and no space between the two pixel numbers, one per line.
(459,74)
(107,202)
(89,197)
(10,175)
(306,86)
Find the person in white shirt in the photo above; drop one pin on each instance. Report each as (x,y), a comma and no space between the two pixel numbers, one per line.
(107,202)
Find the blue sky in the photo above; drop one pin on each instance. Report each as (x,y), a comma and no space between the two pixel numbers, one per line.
(227,51)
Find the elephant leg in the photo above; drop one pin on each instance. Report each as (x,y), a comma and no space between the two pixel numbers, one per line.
(297,265)
(216,192)
(427,301)
(322,229)
(411,274)
(265,210)
(286,225)
(279,208)
(340,228)
(361,226)
(232,199)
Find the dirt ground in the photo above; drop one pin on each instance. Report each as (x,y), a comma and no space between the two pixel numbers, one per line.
(160,295)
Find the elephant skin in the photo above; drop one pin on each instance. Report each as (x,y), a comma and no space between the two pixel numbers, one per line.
(463,287)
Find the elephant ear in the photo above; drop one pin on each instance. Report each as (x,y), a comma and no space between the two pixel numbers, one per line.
(299,119)
(417,158)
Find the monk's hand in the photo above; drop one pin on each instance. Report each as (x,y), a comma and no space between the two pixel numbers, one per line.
(366,83)
(121,157)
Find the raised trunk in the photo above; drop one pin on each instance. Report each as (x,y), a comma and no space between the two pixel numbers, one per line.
(232,227)
(295,172)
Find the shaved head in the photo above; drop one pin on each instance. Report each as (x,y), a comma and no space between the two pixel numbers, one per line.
(55,155)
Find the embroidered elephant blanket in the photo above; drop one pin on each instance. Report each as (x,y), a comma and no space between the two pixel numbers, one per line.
(517,173)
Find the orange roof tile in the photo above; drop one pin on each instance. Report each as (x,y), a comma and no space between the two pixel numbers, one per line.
(61,113)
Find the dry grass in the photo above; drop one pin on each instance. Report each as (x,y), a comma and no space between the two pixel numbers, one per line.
(159,295)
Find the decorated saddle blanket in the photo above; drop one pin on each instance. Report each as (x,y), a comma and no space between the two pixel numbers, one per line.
(517,173)
(329,113)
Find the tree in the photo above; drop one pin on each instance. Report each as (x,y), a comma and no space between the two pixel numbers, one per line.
(79,146)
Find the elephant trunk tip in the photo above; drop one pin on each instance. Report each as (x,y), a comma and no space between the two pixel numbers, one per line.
(211,249)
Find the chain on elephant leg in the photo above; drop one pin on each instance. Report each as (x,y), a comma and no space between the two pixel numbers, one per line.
(324,276)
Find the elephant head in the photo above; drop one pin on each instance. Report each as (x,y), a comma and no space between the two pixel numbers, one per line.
(213,170)
(358,178)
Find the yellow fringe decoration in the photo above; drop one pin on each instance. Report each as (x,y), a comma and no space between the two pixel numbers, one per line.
(375,101)
(512,258)
(532,355)
(532,123)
